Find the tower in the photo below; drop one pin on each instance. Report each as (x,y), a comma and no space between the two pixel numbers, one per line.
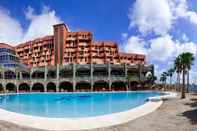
(60,35)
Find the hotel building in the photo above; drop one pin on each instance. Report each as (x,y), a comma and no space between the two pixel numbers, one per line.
(66,47)
(70,59)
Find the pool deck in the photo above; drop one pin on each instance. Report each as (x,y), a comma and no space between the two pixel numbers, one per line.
(174,114)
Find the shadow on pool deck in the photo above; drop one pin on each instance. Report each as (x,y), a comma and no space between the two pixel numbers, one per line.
(191,114)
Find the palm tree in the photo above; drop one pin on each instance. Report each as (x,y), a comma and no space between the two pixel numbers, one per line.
(177,67)
(186,60)
(163,79)
(170,74)
(189,64)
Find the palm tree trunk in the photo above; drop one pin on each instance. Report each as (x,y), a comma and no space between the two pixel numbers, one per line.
(179,81)
(170,82)
(187,81)
(177,84)
(183,86)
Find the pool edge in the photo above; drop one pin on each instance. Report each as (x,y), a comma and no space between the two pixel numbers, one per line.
(84,123)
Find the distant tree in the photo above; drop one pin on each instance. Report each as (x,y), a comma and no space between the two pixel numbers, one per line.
(186,60)
(163,79)
(177,67)
(170,74)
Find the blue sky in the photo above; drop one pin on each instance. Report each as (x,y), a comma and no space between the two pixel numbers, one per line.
(161,29)
(106,19)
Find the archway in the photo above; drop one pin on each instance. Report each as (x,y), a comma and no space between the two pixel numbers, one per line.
(11,87)
(38,74)
(38,87)
(51,87)
(118,86)
(101,86)
(66,86)
(9,74)
(24,87)
(83,86)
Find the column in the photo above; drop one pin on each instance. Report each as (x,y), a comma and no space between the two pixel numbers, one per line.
(30,87)
(45,87)
(17,88)
(45,73)
(57,77)
(91,76)
(57,72)
(45,78)
(20,76)
(74,77)
(126,75)
(31,71)
(140,74)
(57,86)
(109,75)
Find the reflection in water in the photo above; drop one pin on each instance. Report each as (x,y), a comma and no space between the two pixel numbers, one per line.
(68,98)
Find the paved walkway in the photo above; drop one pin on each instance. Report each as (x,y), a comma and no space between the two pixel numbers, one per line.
(173,115)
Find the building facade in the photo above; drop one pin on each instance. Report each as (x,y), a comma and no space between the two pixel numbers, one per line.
(8,57)
(66,47)
(71,61)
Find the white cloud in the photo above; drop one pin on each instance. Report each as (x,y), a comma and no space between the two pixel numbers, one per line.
(29,14)
(179,8)
(40,25)
(193,76)
(192,17)
(10,29)
(158,16)
(135,44)
(185,38)
(161,48)
(151,16)
(186,47)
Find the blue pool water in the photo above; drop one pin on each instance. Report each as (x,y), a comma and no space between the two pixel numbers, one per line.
(59,105)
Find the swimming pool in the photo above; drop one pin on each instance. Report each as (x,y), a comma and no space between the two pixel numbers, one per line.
(73,105)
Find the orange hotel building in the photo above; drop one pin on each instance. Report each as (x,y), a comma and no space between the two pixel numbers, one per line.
(65,47)
(71,61)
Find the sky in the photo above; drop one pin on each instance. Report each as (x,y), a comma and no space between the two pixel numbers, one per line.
(160,29)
